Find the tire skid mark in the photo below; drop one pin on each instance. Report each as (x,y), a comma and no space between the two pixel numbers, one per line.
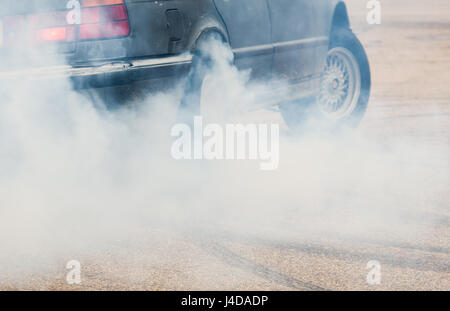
(235,260)
(413,214)
(354,239)
(423,263)
(410,116)
(401,245)
(439,101)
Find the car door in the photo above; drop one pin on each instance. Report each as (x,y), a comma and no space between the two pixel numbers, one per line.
(293,38)
(249,29)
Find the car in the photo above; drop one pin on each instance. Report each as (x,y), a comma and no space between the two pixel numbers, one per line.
(113,49)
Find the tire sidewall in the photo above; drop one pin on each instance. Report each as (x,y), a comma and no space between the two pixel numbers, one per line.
(346,39)
(306,116)
(202,63)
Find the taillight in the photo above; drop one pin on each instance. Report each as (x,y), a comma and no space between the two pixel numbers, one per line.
(101,19)
(56,34)
(40,27)
(51,27)
(91,3)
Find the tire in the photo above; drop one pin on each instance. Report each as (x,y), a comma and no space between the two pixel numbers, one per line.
(203,62)
(344,90)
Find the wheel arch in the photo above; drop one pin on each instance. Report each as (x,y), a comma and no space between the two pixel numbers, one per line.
(340,18)
(207,26)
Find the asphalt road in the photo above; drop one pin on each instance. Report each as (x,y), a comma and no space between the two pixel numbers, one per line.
(400,218)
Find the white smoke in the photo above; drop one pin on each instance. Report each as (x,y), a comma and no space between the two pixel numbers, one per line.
(75,176)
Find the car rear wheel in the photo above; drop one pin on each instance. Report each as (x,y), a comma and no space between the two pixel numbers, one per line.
(344,90)
(203,87)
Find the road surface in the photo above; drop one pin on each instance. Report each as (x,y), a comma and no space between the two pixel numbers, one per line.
(397,213)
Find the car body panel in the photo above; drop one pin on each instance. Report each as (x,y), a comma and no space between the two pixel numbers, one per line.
(248,26)
(291,37)
(285,39)
(324,12)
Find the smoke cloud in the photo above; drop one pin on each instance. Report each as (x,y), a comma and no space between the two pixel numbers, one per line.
(75,176)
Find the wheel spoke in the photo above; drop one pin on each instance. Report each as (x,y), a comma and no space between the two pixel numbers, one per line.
(339,84)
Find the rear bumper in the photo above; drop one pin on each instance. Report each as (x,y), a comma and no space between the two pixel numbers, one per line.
(106,74)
